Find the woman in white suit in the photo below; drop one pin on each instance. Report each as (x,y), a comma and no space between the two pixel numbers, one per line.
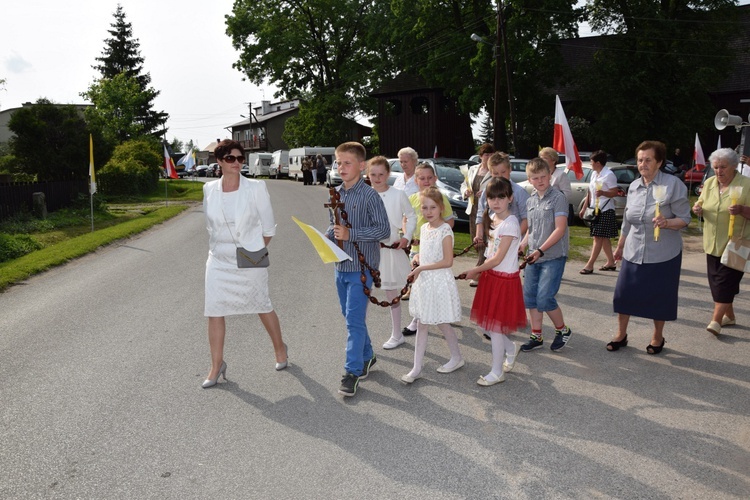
(479,176)
(238,214)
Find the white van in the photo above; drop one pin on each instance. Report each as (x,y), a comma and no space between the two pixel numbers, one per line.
(296,156)
(259,163)
(279,164)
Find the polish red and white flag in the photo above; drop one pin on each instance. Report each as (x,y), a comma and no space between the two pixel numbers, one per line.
(169,164)
(699,161)
(563,141)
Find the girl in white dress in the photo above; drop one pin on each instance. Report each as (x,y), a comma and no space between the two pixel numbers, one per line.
(394,262)
(434,294)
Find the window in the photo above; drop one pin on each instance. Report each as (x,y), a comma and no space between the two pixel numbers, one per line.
(420,105)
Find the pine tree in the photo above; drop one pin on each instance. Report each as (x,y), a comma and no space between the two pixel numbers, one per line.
(121,54)
(487,131)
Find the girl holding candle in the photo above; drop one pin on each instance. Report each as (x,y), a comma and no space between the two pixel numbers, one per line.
(602,189)
(723,204)
(649,276)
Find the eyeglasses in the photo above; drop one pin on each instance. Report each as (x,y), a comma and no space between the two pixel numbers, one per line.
(232,159)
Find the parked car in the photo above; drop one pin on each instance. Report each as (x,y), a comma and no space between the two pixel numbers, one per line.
(518,170)
(449,181)
(668,167)
(245,170)
(625,174)
(709,172)
(202,170)
(333,178)
(214,170)
(694,178)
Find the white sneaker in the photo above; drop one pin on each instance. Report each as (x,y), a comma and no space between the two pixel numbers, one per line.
(474,283)
(727,321)
(714,328)
(393,343)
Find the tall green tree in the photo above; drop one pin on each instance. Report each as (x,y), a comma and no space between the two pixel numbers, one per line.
(320,50)
(435,40)
(121,56)
(651,78)
(51,142)
(116,101)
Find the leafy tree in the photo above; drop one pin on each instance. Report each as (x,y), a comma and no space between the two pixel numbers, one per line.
(115,112)
(52,141)
(177,145)
(436,42)
(321,50)
(121,56)
(133,169)
(320,121)
(650,80)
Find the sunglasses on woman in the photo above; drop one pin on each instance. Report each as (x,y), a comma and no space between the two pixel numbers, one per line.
(232,159)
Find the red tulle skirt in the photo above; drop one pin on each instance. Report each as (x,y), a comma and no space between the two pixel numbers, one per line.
(498,304)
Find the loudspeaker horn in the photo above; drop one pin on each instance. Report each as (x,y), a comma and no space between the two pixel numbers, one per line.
(723,120)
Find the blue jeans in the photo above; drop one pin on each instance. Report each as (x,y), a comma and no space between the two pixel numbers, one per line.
(541,283)
(354,308)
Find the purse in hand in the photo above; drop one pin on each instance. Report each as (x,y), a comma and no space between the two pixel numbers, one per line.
(736,255)
(249,258)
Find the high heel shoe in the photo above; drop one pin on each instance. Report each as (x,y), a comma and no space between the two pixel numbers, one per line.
(222,373)
(283,364)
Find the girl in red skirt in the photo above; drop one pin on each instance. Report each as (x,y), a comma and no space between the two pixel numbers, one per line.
(498,304)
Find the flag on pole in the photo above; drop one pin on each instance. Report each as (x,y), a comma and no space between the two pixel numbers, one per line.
(435,154)
(327,250)
(92,178)
(699,161)
(563,141)
(169,164)
(188,160)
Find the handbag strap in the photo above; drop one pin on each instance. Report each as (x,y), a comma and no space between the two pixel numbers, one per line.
(228,226)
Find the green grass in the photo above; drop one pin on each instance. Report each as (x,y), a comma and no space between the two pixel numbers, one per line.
(77,246)
(66,234)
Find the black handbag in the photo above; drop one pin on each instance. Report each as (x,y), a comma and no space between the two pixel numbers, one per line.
(590,214)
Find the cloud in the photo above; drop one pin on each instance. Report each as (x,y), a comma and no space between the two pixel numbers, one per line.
(17,64)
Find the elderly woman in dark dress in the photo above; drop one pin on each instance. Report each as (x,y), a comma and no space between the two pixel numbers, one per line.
(715,205)
(650,273)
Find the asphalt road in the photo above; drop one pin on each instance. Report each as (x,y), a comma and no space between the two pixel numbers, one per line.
(101,363)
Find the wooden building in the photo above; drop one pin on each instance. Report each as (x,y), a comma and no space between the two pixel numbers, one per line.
(412,113)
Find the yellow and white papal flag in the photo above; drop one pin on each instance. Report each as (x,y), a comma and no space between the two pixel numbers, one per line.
(92,178)
(328,250)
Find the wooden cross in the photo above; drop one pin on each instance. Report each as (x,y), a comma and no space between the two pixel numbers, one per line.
(336,205)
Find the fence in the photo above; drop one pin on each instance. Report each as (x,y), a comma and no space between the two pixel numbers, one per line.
(17,196)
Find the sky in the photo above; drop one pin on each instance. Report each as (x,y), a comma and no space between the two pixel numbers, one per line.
(47,49)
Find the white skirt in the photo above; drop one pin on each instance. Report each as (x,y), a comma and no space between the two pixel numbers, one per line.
(394,268)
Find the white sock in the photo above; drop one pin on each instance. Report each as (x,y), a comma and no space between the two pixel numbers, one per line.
(413,325)
(420,346)
(498,352)
(510,349)
(450,337)
(395,314)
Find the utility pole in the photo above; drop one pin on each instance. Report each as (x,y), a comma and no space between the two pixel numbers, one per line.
(502,38)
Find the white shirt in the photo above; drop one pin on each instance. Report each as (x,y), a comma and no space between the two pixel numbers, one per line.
(560,181)
(409,187)
(608,181)
(743,169)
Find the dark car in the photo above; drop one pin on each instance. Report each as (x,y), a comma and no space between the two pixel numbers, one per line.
(201,170)
(449,181)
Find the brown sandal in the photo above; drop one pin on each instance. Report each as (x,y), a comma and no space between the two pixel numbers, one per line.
(586,271)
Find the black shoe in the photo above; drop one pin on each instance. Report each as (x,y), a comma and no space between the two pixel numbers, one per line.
(561,338)
(406,332)
(368,365)
(349,385)
(533,343)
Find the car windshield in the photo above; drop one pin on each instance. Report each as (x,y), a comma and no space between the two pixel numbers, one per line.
(450,176)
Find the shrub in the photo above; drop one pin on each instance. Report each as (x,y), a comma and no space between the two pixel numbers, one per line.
(12,247)
(127,177)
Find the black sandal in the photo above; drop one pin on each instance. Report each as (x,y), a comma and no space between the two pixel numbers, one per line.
(616,344)
(655,349)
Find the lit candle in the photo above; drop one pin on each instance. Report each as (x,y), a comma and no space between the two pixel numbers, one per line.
(598,188)
(734,195)
(660,196)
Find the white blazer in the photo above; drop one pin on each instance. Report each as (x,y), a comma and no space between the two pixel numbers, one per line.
(254,213)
